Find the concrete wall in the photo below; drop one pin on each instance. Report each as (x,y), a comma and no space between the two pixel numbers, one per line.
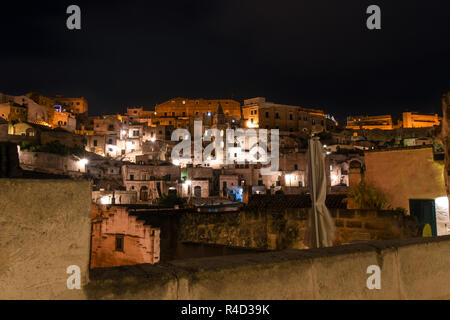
(405,174)
(410,269)
(44,228)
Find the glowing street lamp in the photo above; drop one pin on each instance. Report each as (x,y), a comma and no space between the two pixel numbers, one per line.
(105,200)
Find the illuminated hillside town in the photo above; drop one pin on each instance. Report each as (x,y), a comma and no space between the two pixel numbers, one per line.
(233,157)
(192,163)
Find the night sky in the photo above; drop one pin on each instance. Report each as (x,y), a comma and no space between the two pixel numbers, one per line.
(315,53)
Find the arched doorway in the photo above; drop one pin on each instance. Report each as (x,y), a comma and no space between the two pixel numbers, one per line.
(30,132)
(143,193)
(197,191)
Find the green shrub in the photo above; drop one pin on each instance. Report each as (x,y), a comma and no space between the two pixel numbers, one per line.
(54,147)
(367,197)
(170,200)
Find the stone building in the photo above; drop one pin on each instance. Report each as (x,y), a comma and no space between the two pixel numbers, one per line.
(104,168)
(96,144)
(108,197)
(419,120)
(51,163)
(114,136)
(139,113)
(340,164)
(182,107)
(227,181)
(22,108)
(64,120)
(195,188)
(77,106)
(45,134)
(259,113)
(121,239)
(12,111)
(383,122)
(405,174)
(150,182)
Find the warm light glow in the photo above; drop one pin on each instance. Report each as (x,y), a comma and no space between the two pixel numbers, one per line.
(105,200)
(334,179)
(251,125)
(188,182)
(152,139)
(290,178)
(442,202)
(84,162)
(176,162)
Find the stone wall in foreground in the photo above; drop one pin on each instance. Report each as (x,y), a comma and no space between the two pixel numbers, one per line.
(44,228)
(285,229)
(410,269)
